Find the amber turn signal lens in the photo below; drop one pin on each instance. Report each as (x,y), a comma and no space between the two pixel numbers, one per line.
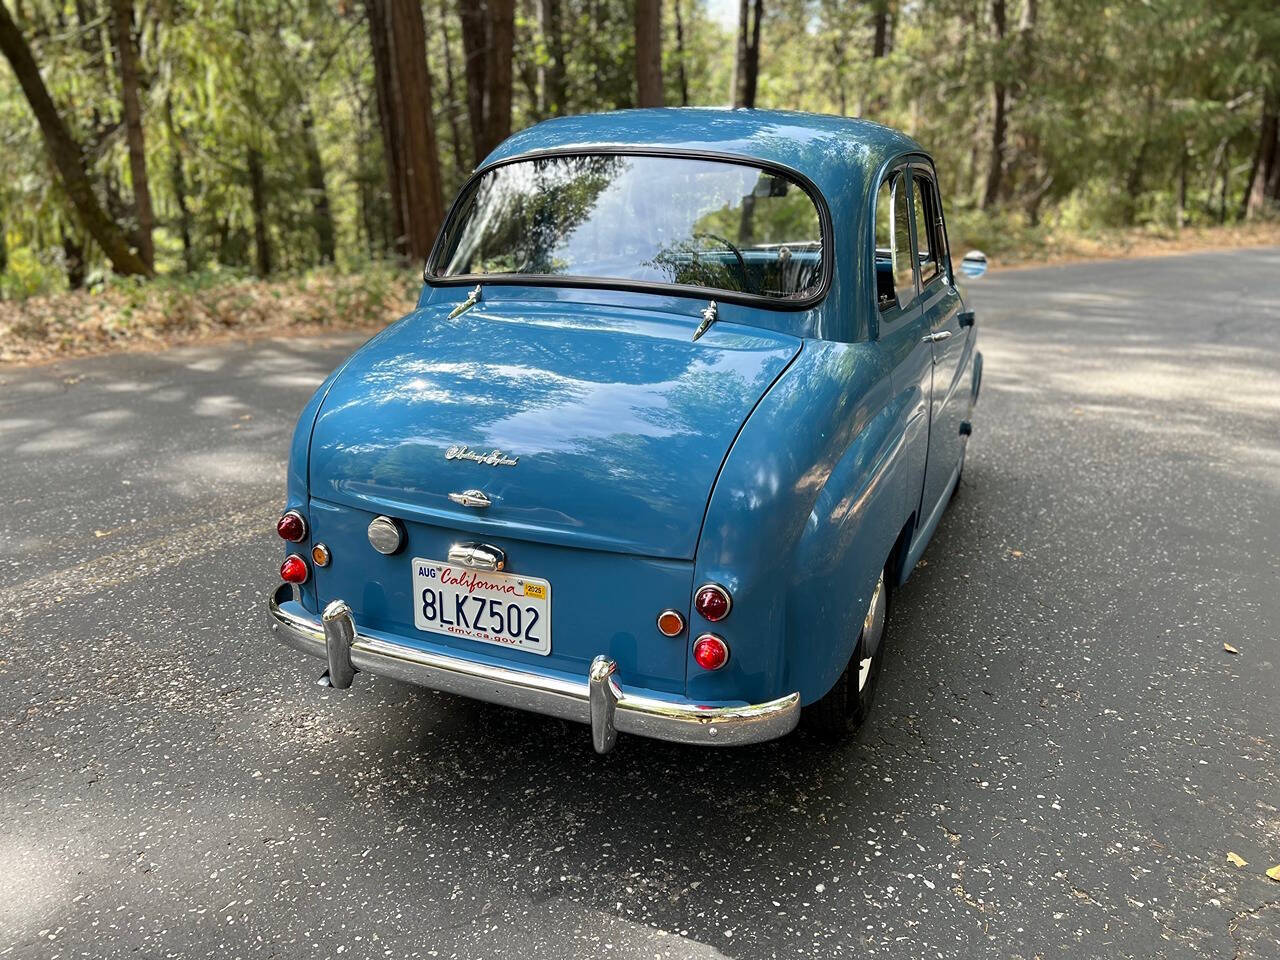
(294,569)
(670,623)
(320,555)
(712,602)
(710,652)
(291,526)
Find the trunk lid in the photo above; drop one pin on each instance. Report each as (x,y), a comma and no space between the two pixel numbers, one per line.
(603,428)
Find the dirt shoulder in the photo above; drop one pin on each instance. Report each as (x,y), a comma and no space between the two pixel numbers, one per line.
(174,312)
(1138,244)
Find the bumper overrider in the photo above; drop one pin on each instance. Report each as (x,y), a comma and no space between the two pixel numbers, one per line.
(598,700)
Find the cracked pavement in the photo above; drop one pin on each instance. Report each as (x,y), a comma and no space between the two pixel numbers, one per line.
(1061,756)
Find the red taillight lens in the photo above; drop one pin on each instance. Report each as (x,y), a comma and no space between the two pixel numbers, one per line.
(294,569)
(291,526)
(710,651)
(712,602)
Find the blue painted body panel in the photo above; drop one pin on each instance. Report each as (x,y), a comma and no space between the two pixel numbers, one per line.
(618,420)
(787,454)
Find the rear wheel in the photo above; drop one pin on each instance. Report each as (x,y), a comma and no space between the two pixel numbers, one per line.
(846,706)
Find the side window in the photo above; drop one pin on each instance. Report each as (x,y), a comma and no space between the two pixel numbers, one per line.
(895,279)
(926,217)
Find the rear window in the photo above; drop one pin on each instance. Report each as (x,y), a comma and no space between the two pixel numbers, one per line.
(720,226)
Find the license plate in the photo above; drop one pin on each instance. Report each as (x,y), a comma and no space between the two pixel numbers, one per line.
(502,608)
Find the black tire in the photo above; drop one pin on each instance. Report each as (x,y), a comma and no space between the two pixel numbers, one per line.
(847,705)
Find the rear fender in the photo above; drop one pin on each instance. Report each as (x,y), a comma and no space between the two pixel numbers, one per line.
(297,474)
(853,529)
(787,519)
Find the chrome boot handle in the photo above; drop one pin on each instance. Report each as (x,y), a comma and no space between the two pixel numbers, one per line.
(478,556)
(471,498)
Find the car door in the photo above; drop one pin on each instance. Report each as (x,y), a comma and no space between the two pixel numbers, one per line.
(901,327)
(941,308)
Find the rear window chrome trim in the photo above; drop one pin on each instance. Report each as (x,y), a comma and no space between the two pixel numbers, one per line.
(783,304)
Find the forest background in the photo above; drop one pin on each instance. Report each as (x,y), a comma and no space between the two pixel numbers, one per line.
(179,167)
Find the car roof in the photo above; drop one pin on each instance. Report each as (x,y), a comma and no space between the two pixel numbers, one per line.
(831,151)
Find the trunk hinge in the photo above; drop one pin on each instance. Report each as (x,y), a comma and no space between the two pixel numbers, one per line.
(710,313)
(472,299)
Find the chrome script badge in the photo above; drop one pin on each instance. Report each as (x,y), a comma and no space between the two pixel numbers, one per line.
(494,458)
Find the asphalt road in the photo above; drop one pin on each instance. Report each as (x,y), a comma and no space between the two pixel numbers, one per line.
(1061,757)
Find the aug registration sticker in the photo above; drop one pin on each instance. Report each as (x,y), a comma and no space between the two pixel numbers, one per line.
(499,608)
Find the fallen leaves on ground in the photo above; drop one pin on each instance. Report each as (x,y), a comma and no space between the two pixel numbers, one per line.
(1238,860)
(1230,649)
(127,314)
(1274,873)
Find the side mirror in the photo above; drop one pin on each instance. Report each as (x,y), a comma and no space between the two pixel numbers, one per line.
(974,264)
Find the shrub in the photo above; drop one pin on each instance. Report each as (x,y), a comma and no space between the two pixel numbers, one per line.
(125,312)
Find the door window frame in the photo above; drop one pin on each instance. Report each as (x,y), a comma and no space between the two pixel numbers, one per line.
(937,225)
(890,314)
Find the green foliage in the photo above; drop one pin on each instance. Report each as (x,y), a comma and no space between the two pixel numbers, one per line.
(122,313)
(1112,109)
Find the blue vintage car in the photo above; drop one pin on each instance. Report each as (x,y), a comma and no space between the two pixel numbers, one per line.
(684,396)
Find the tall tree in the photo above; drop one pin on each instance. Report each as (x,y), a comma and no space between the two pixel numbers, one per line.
(66,153)
(178,184)
(488,38)
(999,121)
(649,53)
(404,100)
(258,202)
(451,99)
(127,61)
(321,213)
(388,116)
(1264,174)
(551,21)
(880,29)
(746,64)
(680,68)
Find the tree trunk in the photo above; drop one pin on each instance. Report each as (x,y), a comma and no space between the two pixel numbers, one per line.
(258,200)
(648,22)
(529,68)
(1133,180)
(746,65)
(880,29)
(1183,163)
(126,58)
(451,97)
(753,57)
(66,153)
(321,215)
(409,136)
(1225,184)
(1266,160)
(739,54)
(384,82)
(684,79)
(551,18)
(995,169)
(488,38)
(73,261)
(178,184)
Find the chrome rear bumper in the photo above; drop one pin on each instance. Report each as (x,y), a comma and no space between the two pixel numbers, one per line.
(598,700)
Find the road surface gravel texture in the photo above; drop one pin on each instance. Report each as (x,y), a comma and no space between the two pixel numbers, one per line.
(1061,756)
